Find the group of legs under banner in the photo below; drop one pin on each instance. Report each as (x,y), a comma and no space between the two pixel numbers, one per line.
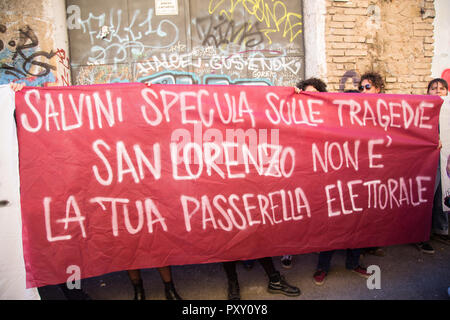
(277,283)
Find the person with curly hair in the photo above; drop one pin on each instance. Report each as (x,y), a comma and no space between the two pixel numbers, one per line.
(311,84)
(371,82)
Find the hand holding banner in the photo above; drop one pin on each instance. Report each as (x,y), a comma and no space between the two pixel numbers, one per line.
(125,176)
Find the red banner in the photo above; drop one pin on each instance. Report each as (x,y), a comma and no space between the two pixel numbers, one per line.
(117,177)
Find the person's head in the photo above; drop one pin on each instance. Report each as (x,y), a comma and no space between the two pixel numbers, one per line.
(351,91)
(438,87)
(371,82)
(312,84)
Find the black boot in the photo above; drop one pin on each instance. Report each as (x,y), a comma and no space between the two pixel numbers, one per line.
(171,293)
(277,284)
(233,290)
(139,293)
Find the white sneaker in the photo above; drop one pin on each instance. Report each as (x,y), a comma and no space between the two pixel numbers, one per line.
(286,261)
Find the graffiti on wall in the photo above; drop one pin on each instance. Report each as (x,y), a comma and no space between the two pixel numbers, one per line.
(274,15)
(254,62)
(351,75)
(22,59)
(64,63)
(223,32)
(119,40)
(175,77)
(256,40)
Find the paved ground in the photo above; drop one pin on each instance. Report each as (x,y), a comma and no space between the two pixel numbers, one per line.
(406,274)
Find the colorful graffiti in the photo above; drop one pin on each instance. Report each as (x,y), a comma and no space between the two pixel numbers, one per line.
(218,43)
(22,60)
(176,77)
(63,61)
(223,32)
(274,15)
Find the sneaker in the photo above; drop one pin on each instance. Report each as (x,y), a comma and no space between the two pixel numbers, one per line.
(361,271)
(283,287)
(319,277)
(425,247)
(286,262)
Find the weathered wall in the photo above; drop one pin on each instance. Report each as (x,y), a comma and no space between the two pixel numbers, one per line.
(392,37)
(340,40)
(210,42)
(33,42)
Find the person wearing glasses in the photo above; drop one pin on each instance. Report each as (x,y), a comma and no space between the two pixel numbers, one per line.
(372,82)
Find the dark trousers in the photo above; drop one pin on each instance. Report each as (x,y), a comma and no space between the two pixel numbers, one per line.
(266,263)
(351,261)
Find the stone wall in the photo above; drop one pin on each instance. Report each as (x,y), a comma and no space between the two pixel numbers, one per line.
(392,37)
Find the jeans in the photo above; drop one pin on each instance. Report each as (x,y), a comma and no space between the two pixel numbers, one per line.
(439,216)
(351,262)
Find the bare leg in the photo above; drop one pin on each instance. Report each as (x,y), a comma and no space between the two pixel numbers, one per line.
(169,288)
(135,276)
(166,274)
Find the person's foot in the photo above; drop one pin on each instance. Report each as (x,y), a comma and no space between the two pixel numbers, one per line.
(281,286)
(425,247)
(233,290)
(286,261)
(171,293)
(139,293)
(319,277)
(361,271)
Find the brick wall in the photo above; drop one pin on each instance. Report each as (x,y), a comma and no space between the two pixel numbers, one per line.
(392,37)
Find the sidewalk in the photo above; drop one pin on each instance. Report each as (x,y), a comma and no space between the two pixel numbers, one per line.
(406,274)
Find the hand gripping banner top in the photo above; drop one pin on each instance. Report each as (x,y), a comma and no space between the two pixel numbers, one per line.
(125,176)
